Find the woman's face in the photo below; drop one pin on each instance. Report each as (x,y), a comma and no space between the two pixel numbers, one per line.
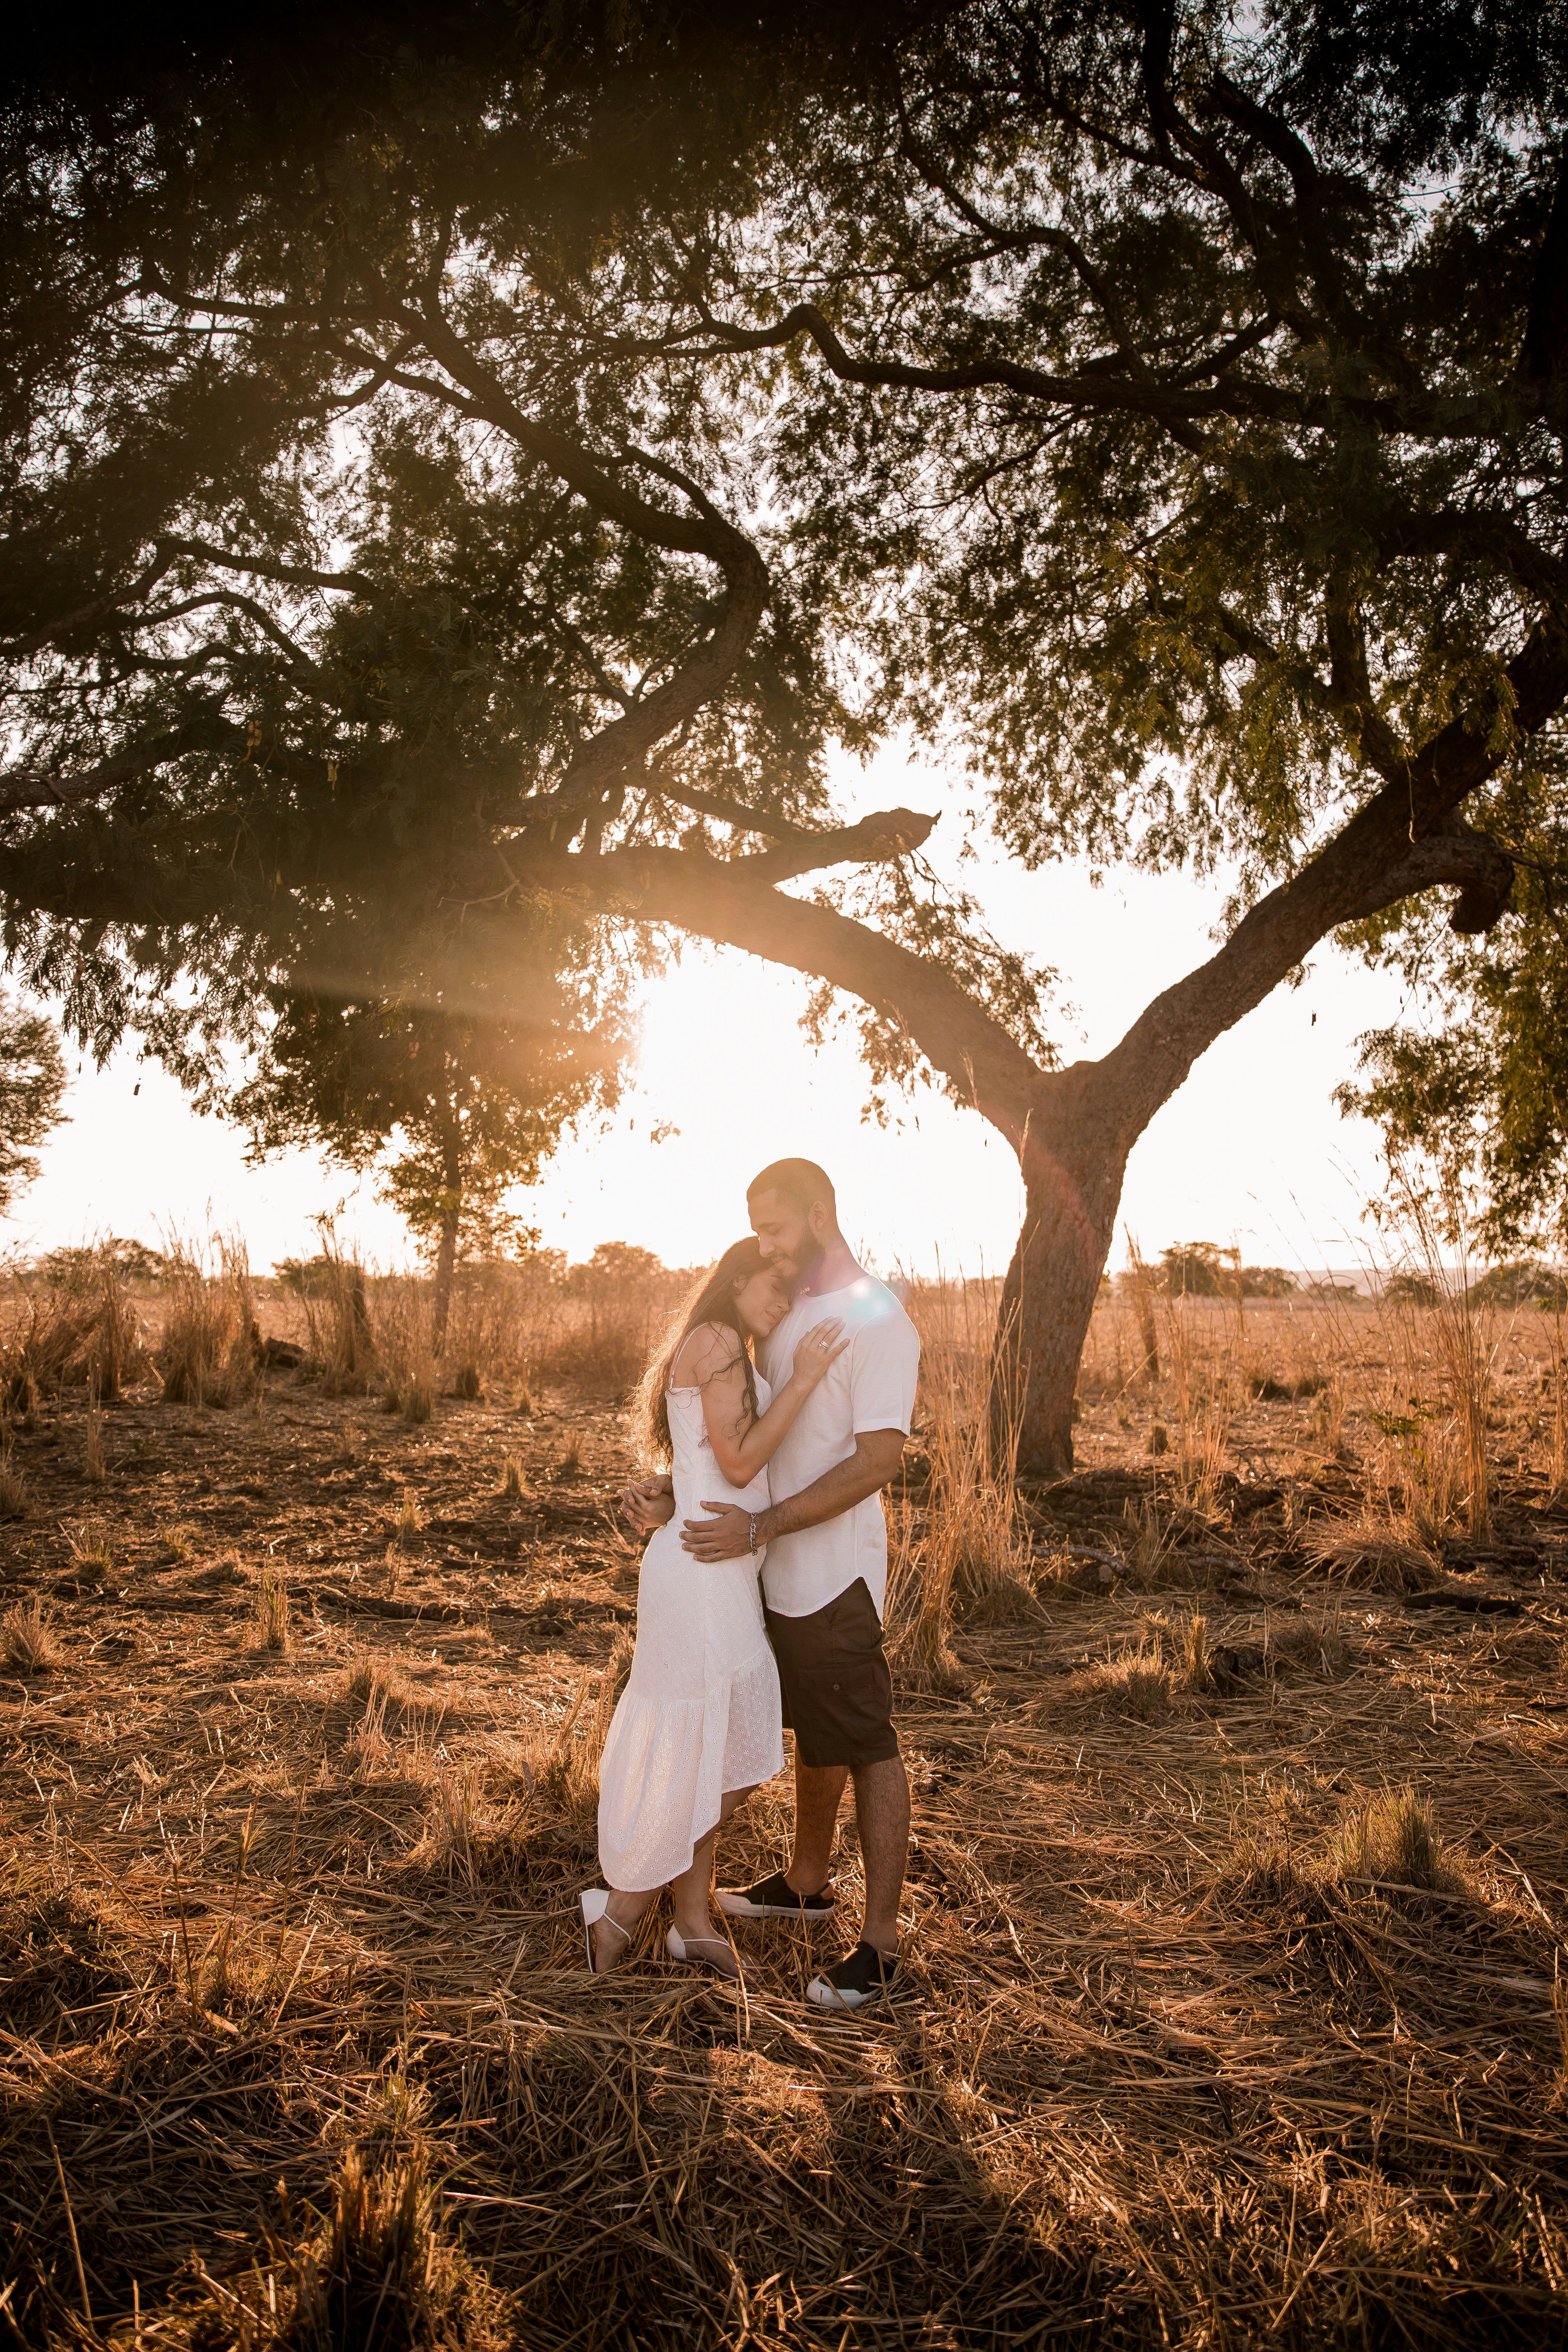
(761,1302)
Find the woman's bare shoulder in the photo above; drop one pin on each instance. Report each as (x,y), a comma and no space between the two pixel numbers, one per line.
(703,1354)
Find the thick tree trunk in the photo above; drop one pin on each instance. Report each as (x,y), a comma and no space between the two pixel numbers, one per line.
(1084,1121)
(1072,1171)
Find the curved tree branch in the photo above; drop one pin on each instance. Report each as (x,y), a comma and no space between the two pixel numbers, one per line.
(728,902)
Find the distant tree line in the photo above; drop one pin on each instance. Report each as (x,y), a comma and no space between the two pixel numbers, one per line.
(1204,1270)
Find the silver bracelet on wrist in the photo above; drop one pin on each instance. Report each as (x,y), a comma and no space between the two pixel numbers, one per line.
(753,1535)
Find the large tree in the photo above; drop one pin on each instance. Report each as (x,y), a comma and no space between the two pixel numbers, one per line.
(451,470)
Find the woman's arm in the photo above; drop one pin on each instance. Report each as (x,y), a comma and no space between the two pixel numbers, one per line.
(709,1361)
(728,1534)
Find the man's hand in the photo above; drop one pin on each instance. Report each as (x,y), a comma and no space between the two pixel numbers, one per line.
(648,1503)
(726,1536)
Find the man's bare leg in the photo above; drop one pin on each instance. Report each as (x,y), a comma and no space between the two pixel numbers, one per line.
(882,1815)
(819,1788)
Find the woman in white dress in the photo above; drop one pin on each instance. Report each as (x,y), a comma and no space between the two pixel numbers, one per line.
(700,1722)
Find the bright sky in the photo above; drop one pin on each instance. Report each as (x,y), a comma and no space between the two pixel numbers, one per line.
(1250,1151)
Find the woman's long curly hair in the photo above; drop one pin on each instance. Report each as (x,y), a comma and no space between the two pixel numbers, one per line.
(711,1299)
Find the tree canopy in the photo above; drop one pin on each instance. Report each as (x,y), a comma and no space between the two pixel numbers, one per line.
(462,472)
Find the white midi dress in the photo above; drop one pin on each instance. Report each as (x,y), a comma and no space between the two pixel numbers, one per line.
(700,1712)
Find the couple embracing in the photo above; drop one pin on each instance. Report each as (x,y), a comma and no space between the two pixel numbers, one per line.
(781,1403)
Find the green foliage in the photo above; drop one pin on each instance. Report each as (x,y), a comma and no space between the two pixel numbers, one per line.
(1196,1270)
(311,1278)
(1149,620)
(615,1268)
(455,1109)
(1523,1282)
(1204,1270)
(75,1264)
(32,1094)
(1266,1282)
(1480,1086)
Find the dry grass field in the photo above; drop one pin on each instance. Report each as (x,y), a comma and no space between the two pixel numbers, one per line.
(1235,1912)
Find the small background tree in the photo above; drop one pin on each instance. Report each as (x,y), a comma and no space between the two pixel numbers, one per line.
(32,1092)
(470,1108)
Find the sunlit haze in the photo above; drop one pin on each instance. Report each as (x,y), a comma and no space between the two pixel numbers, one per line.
(1252,1151)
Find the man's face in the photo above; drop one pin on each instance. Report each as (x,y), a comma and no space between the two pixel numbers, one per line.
(783,1235)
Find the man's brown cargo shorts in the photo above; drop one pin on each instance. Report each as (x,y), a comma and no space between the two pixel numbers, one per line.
(837,1692)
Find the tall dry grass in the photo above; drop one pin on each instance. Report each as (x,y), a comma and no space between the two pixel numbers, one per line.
(206,1352)
(26,1645)
(1557,1457)
(340,1335)
(961,1548)
(511,1325)
(403,1310)
(1418,1382)
(75,1326)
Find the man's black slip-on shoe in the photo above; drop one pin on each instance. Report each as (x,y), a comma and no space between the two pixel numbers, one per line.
(866,1975)
(775,1898)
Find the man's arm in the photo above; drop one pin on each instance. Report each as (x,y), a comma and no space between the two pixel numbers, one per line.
(877,1455)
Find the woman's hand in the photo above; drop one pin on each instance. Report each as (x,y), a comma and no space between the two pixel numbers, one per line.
(648,1503)
(820,1348)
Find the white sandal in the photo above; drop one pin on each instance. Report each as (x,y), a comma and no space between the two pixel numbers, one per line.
(595,1901)
(688,1955)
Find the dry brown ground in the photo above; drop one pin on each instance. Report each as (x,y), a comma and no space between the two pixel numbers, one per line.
(1165,2071)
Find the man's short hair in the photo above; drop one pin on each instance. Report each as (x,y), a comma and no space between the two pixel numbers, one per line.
(799,1182)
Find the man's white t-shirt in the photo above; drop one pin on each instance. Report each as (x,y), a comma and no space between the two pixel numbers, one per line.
(871,1386)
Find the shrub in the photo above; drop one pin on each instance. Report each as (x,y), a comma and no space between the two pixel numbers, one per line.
(26,1642)
(380,2277)
(1394,1841)
(15,1500)
(270,1611)
(206,1353)
(1522,1282)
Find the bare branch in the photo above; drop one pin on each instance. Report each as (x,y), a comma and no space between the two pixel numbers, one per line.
(18,648)
(24,790)
(291,575)
(893,832)
(727,901)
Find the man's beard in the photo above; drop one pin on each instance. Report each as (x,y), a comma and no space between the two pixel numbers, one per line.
(806,1261)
